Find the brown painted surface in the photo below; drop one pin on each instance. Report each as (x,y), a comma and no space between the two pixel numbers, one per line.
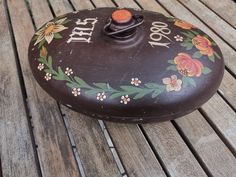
(114,62)
(211,141)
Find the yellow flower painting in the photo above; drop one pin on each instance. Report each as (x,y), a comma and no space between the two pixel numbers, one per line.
(50,30)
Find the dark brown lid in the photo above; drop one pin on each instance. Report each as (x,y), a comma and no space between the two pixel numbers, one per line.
(126,65)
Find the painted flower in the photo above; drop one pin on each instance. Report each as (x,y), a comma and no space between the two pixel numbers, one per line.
(48,31)
(172,83)
(101,96)
(183,24)
(135,81)
(178,38)
(48,76)
(40,66)
(188,66)
(76,91)
(68,71)
(125,99)
(203,45)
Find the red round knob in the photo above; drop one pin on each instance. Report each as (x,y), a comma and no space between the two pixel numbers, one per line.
(121,16)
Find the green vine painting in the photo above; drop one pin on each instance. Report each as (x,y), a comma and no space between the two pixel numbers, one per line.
(97,89)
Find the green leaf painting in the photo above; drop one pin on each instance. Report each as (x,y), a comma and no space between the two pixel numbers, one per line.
(206,70)
(201,42)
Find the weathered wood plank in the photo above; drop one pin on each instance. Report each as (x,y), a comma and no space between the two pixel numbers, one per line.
(82,4)
(181,12)
(94,153)
(54,149)
(16,148)
(220,125)
(212,20)
(226,88)
(93,150)
(60,7)
(126,3)
(39,12)
(152,6)
(134,150)
(226,9)
(174,153)
(212,151)
(103,3)
(223,117)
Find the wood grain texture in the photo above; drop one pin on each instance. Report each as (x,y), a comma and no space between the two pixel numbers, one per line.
(223,123)
(134,150)
(226,10)
(222,127)
(212,151)
(152,5)
(126,3)
(223,117)
(82,4)
(40,12)
(54,149)
(93,150)
(103,3)
(181,12)
(91,144)
(212,20)
(176,156)
(228,87)
(16,148)
(60,7)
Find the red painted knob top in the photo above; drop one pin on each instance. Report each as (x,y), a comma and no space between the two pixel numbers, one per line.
(121,16)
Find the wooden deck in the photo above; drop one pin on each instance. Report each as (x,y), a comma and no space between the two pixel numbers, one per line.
(41,138)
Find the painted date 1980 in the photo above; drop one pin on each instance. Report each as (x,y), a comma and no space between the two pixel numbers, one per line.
(159,37)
